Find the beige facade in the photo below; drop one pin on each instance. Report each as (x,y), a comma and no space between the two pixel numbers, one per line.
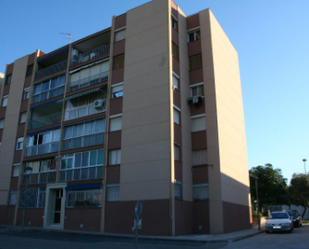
(8,145)
(145,149)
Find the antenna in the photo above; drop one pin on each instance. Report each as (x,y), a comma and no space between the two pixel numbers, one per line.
(68,35)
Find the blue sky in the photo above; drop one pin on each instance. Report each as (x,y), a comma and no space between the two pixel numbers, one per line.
(271,37)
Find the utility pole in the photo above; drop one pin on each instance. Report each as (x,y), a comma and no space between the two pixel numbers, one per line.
(305,160)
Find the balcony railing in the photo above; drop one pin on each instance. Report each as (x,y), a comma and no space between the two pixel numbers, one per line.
(89,140)
(89,55)
(42,149)
(38,122)
(92,80)
(51,69)
(81,174)
(41,177)
(83,111)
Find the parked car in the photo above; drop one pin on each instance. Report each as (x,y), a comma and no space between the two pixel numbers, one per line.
(297,219)
(279,221)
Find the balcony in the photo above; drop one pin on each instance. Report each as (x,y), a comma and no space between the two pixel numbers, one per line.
(45,121)
(45,115)
(83,111)
(41,177)
(42,149)
(81,174)
(89,81)
(78,142)
(60,66)
(78,57)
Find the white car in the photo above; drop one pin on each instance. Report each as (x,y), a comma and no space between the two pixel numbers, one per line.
(279,221)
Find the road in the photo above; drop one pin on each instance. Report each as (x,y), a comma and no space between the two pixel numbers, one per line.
(53,240)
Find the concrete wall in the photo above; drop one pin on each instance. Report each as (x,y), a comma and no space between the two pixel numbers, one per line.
(145,165)
(227,152)
(10,126)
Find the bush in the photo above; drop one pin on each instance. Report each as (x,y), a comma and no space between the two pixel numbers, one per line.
(254,214)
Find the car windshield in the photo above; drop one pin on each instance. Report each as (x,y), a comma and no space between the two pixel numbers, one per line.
(292,213)
(280,216)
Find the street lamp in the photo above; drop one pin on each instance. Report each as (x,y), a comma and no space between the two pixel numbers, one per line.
(257,201)
(305,160)
(25,196)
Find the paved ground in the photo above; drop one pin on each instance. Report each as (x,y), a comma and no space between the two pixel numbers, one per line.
(42,239)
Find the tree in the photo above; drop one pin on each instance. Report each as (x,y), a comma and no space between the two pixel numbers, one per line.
(272,186)
(299,191)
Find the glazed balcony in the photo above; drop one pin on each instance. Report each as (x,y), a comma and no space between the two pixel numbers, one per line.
(42,149)
(81,174)
(79,142)
(44,72)
(89,81)
(39,177)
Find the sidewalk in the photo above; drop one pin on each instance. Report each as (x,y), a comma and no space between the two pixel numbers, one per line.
(218,238)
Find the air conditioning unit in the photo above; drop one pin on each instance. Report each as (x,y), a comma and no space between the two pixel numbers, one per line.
(98,103)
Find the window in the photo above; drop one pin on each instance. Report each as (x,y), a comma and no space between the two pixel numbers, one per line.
(115,123)
(5,100)
(48,89)
(198,123)
(29,70)
(176,152)
(195,61)
(16,168)
(84,134)
(117,91)
(19,143)
(197,90)
(26,93)
(175,81)
(118,61)
(23,117)
(87,197)
(35,198)
(199,157)
(88,76)
(200,192)
(8,79)
(194,35)
(1,123)
(114,157)
(178,189)
(120,35)
(175,51)
(174,23)
(82,166)
(12,198)
(176,116)
(112,192)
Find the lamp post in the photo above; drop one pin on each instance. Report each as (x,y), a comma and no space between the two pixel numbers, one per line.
(25,196)
(257,201)
(305,160)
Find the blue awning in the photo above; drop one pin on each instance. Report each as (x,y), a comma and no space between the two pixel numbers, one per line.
(85,186)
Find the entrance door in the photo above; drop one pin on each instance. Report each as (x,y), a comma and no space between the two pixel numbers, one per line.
(58,206)
(54,206)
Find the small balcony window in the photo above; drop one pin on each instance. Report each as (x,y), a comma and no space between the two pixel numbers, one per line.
(114,157)
(5,101)
(198,123)
(195,61)
(112,192)
(26,94)
(200,192)
(8,79)
(120,35)
(19,143)
(115,123)
(194,35)
(118,61)
(117,91)
(23,118)
(197,90)
(1,123)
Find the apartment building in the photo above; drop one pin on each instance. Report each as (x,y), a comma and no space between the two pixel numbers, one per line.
(149,109)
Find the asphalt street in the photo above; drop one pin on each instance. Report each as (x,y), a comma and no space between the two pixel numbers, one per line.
(54,240)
